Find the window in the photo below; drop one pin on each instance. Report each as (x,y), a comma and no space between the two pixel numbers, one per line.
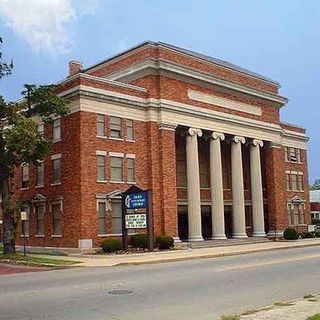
(57,130)
(294,181)
(181,168)
(56,218)
(116,218)
(130,130)
(101,167)
(41,128)
(204,173)
(25,176)
(56,166)
(101,129)
(25,224)
(40,173)
(102,217)
(292,154)
(40,219)
(296,213)
(115,127)
(116,169)
(131,169)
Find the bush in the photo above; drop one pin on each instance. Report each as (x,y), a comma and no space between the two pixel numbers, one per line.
(164,242)
(139,240)
(111,245)
(307,235)
(290,234)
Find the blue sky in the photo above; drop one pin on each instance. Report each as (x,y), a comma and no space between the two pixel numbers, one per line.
(279,39)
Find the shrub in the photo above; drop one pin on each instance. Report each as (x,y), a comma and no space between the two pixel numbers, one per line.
(309,235)
(164,242)
(139,240)
(111,245)
(290,234)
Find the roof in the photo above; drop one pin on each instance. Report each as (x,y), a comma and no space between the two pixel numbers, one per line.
(216,61)
(314,195)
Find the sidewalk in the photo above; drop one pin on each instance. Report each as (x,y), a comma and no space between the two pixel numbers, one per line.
(188,254)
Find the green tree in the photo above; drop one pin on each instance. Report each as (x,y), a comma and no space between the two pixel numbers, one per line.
(315,185)
(20,142)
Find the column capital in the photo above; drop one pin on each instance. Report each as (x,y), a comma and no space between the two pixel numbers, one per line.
(167,126)
(238,139)
(195,131)
(257,142)
(217,135)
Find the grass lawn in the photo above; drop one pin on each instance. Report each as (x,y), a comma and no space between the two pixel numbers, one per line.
(315,317)
(30,260)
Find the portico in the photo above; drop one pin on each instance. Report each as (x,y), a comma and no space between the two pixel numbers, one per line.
(239,194)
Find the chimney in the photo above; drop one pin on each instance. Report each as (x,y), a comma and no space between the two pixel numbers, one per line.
(74,67)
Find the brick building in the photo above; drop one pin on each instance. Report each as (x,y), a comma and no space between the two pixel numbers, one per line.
(204,135)
(315,205)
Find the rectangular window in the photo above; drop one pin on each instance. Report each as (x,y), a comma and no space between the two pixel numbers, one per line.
(286,154)
(130,130)
(40,173)
(25,176)
(56,166)
(101,129)
(288,181)
(25,223)
(181,168)
(102,217)
(56,219)
(131,170)
(116,169)
(116,218)
(204,174)
(40,219)
(101,168)
(115,127)
(41,128)
(294,182)
(57,130)
(292,154)
(300,182)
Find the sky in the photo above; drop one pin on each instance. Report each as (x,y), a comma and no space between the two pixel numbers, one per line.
(279,39)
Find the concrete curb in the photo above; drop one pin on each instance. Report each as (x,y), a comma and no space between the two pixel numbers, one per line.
(213,255)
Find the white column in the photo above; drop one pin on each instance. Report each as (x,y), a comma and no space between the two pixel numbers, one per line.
(238,212)
(256,189)
(193,177)
(217,205)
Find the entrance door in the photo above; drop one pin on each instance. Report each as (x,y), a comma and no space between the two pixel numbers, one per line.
(183,222)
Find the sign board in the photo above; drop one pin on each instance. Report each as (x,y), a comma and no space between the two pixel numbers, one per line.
(136,200)
(24,216)
(136,221)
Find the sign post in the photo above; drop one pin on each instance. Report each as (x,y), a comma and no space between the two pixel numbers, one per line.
(23,220)
(137,214)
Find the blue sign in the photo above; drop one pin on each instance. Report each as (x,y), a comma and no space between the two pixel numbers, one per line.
(136,200)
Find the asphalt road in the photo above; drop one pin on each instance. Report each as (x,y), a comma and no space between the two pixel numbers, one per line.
(201,289)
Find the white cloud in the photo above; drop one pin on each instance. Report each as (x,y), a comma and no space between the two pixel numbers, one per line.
(45,24)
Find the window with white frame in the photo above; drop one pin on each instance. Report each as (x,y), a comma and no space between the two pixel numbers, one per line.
(40,212)
(101,128)
(292,154)
(56,169)
(56,219)
(25,176)
(131,169)
(294,181)
(116,168)
(25,224)
(296,213)
(116,218)
(41,128)
(115,127)
(40,173)
(130,129)
(101,167)
(102,218)
(181,168)
(57,130)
